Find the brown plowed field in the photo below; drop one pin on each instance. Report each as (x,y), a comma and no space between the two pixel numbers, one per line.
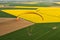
(8,25)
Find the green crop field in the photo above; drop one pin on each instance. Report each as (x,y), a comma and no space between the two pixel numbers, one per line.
(38,31)
(43,31)
(30,5)
(6,15)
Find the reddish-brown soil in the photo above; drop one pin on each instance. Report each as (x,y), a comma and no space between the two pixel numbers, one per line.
(8,25)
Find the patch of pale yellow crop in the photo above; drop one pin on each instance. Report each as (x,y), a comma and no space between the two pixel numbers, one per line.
(29,2)
(24,7)
(1,6)
(57,2)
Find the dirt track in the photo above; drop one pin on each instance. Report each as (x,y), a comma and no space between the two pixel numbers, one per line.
(8,25)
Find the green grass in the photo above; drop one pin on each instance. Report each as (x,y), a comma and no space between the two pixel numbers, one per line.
(39,31)
(32,5)
(18,8)
(39,4)
(29,5)
(6,15)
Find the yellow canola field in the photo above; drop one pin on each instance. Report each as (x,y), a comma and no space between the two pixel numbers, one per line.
(49,14)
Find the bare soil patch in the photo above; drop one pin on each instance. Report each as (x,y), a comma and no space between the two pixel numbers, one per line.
(8,25)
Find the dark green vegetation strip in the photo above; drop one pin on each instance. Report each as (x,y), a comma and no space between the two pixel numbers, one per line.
(42,4)
(37,5)
(32,5)
(18,8)
(41,31)
(6,15)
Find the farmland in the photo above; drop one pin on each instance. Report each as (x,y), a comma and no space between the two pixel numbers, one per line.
(50,14)
(43,21)
(39,32)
